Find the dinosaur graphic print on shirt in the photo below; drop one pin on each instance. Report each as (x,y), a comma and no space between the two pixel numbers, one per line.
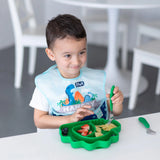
(76,100)
(64,96)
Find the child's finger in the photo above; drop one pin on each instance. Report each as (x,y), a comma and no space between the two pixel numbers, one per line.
(86,106)
(115,96)
(108,95)
(118,102)
(116,89)
(118,98)
(85,110)
(81,115)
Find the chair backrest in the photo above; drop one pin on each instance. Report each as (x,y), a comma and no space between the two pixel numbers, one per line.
(22,15)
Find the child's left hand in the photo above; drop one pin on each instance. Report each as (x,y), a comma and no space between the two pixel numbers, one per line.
(118,96)
(117,100)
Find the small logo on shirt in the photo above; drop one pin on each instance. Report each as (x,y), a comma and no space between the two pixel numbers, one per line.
(79,84)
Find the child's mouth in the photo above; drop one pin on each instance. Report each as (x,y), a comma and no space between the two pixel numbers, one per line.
(75,67)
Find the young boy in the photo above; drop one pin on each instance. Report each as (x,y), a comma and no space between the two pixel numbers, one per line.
(69,92)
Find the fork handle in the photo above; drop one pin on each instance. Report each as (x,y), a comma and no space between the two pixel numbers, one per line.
(144,122)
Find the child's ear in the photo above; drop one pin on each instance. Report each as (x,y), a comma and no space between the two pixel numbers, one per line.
(50,54)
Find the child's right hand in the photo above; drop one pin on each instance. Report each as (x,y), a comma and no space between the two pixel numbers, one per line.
(81,113)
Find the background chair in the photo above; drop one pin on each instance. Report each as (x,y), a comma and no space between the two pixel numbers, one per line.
(26,34)
(150,30)
(145,30)
(96,22)
(148,54)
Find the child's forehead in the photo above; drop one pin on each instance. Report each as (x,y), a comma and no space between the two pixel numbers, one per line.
(72,38)
(69,46)
(69,41)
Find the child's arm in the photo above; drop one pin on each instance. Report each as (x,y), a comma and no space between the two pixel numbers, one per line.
(117,101)
(43,120)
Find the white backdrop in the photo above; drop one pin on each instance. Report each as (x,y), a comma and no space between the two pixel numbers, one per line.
(46,9)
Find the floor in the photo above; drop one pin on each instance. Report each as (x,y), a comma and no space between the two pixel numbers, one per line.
(16,117)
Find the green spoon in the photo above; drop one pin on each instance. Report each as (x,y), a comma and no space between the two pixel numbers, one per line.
(147,125)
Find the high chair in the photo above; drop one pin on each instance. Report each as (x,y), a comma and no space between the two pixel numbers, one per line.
(26,34)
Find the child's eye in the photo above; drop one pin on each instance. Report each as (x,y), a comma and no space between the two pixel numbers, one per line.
(67,56)
(82,52)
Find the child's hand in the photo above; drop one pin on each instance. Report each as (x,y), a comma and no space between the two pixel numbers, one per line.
(117,100)
(118,96)
(81,113)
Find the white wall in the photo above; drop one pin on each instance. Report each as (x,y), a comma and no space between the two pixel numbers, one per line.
(53,9)
(6,31)
(6,34)
(130,17)
(46,9)
(137,16)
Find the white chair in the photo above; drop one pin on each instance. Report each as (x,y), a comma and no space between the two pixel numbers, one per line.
(150,30)
(26,34)
(148,54)
(97,23)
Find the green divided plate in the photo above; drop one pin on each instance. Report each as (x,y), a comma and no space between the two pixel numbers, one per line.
(90,142)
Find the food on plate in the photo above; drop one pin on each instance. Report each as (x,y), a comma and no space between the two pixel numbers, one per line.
(85,130)
(105,127)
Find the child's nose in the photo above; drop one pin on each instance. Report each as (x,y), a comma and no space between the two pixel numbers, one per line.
(76,60)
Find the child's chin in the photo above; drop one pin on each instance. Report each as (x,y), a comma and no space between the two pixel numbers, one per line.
(75,74)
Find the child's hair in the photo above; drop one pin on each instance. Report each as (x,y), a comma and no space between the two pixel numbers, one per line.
(62,26)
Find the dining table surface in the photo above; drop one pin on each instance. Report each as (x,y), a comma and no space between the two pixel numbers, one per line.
(120,4)
(118,76)
(134,143)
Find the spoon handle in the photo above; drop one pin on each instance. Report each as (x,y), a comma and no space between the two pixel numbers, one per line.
(111,95)
(144,122)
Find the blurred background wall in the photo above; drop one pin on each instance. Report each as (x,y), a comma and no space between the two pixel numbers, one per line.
(46,9)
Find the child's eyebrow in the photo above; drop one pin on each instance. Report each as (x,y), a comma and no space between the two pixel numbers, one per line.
(67,52)
(83,49)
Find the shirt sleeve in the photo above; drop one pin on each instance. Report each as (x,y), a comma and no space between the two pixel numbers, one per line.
(38,101)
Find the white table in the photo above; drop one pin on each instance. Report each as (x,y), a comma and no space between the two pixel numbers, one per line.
(134,144)
(116,76)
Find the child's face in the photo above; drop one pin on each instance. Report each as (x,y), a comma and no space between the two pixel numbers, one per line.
(70,55)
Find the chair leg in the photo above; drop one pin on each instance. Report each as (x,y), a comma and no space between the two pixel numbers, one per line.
(19,56)
(158,83)
(32,60)
(139,37)
(124,59)
(137,68)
